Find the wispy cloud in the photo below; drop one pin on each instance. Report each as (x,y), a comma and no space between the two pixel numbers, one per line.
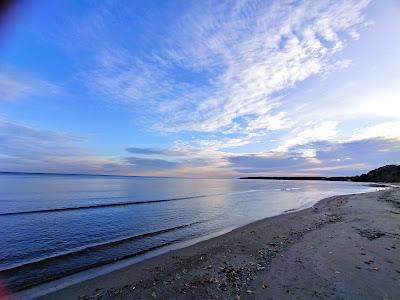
(388,130)
(151,164)
(220,79)
(330,158)
(150,151)
(29,149)
(13,87)
(241,54)
(256,51)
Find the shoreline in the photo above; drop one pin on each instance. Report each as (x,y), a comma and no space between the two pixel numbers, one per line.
(229,265)
(63,280)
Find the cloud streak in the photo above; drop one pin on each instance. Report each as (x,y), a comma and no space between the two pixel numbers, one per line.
(329,158)
(13,87)
(149,151)
(226,68)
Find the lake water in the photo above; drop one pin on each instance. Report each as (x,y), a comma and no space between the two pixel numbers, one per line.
(55,225)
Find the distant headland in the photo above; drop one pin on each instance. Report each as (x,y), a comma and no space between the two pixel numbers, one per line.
(388,173)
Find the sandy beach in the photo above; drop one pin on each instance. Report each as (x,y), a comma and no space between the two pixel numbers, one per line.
(346,247)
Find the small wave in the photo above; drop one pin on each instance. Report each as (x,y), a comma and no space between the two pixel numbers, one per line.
(95,246)
(286,189)
(92,206)
(101,205)
(32,278)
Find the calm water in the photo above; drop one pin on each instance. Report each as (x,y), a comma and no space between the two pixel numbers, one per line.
(53,225)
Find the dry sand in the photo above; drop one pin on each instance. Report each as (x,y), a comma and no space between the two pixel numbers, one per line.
(346,247)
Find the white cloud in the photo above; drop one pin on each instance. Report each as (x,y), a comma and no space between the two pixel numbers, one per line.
(13,87)
(388,130)
(323,131)
(244,59)
(246,51)
(270,49)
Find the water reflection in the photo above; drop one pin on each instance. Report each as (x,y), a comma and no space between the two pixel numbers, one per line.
(60,242)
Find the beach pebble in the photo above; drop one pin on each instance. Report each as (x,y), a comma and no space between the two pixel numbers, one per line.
(154,295)
(249,291)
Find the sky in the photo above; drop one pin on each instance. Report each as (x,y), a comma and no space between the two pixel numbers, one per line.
(200,88)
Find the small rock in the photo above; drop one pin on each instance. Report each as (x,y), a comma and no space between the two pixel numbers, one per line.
(212,280)
(154,295)
(249,291)
(264,286)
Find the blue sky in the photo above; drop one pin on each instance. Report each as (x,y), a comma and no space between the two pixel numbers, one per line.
(200,88)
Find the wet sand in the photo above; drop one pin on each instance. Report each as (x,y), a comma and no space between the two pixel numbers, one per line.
(346,247)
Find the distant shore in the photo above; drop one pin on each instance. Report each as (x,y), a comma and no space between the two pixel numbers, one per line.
(300,178)
(344,247)
(388,174)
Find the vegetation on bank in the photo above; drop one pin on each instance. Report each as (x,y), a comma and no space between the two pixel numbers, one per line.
(388,173)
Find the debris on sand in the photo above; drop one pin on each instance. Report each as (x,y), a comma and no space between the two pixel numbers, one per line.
(370,234)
